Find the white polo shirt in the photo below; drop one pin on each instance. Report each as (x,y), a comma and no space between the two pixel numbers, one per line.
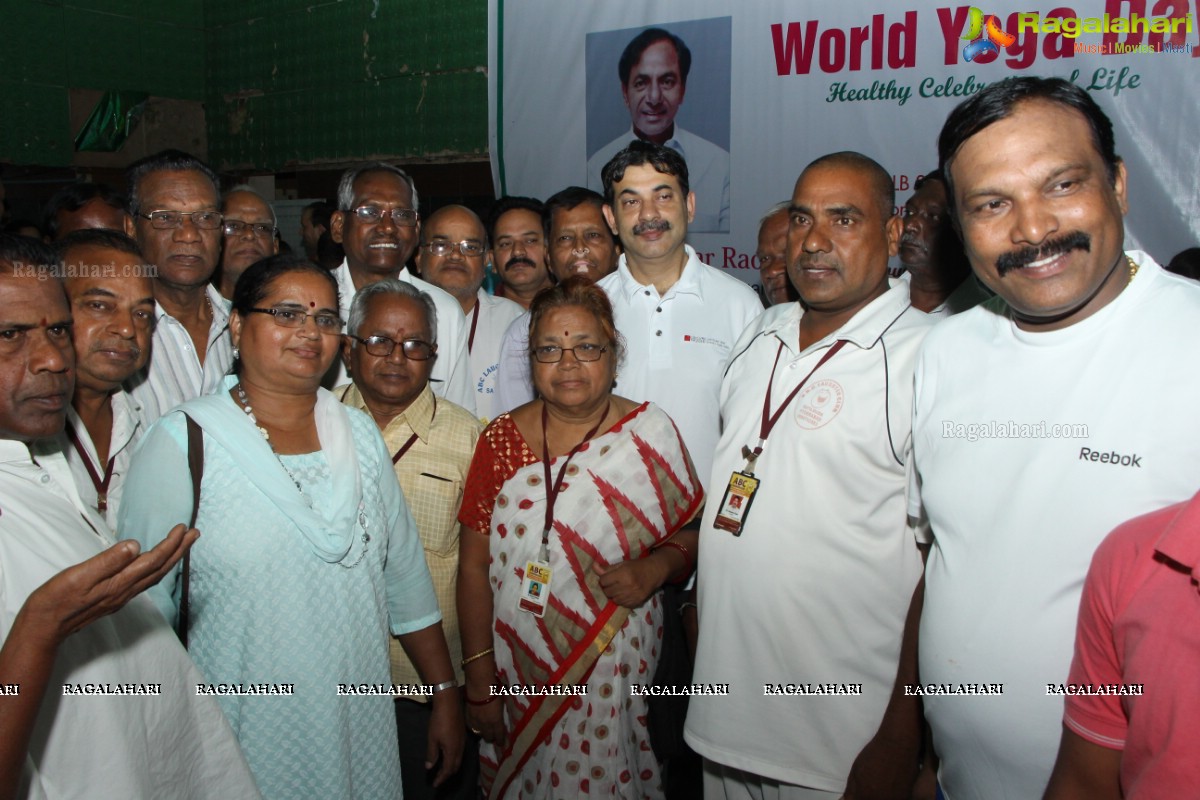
(816,588)
(1017,513)
(174,373)
(484,337)
(450,377)
(146,745)
(677,345)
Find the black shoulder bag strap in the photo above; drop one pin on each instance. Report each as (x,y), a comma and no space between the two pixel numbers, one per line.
(195,440)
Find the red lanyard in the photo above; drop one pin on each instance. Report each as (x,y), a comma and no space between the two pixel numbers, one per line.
(100,484)
(769,419)
(474,324)
(552,489)
(412,439)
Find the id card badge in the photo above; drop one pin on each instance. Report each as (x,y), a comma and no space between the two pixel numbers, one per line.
(535,591)
(735,505)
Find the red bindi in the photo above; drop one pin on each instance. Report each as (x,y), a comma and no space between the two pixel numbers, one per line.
(44,322)
(312,305)
(566,333)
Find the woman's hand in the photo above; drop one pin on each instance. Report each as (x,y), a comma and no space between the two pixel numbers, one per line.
(631,583)
(488,720)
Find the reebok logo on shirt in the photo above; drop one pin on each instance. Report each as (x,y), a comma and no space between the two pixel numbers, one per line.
(1118,459)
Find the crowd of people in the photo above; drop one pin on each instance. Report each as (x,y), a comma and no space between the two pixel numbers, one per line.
(345,524)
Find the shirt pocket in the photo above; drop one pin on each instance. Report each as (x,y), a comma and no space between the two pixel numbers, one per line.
(442,496)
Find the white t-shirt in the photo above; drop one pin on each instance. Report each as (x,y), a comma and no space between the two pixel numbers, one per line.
(677,345)
(816,588)
(494,316)
(450,377)
(1016,514)
(173,744)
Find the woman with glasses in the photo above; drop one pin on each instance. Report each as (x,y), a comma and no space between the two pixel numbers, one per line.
(309,557)
(571,523)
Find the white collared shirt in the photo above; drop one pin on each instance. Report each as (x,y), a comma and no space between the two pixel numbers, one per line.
(450,377)
(677,345)
(174,373)
(495,315)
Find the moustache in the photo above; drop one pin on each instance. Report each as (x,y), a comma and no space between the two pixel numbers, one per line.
(515,260)
(651,225)
(1018,259)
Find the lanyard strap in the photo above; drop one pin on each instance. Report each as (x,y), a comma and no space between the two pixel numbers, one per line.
(412,439)
(100,484)
(769,419)
(552,489)
(474,324)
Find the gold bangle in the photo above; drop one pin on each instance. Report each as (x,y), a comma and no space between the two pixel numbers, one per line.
(477,656)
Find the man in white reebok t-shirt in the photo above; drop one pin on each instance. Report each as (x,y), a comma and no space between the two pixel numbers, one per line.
(1043,418)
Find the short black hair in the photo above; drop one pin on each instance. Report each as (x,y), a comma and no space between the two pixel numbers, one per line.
(633,53)
(322,213)
(97,237)
(18,250)
(166,161)
(884,188)
(639,153)
(933,175)
(255,282)
(75,196)
(507,204)
(998,100)
(567,199)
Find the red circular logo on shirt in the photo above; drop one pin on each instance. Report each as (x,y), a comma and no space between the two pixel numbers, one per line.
(819,403)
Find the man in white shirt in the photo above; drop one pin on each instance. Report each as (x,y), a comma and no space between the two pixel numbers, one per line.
(378,226)
(807,562)
(580,243)
(451,258)
(679,316)
(654,70)
(940,282)
(1043,419)
(99,696)
(112,304)
(176,219)
(518,249)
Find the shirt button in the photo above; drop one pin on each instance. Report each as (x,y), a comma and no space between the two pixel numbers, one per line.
(45,479)
(659,309)
(647,293)
(658,333)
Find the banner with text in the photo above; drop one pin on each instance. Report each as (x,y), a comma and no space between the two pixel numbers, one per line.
(773,85)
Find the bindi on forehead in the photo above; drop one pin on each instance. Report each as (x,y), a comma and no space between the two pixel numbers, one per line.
(311,304)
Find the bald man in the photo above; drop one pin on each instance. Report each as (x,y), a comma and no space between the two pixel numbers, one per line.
(451,257)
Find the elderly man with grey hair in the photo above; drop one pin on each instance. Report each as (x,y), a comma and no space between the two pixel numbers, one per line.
(378,226)
(390,350)
(249,228)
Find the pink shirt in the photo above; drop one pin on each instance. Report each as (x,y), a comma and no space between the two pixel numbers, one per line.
(1139,623)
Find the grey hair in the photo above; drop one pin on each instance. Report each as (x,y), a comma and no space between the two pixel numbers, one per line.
(773,210)
(248,189)
(345,192)
(390,286)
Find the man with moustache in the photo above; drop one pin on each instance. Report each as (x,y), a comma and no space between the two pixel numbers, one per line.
(680,317)
(772,255)
(389,353)
(1043,418)
(176,220)
(250,227)
(70,617)
(940,282)
(580,243)
(816,406)
(653,70)
(518,248)
(378,225)
(112,305)
(451,258)
(80,206)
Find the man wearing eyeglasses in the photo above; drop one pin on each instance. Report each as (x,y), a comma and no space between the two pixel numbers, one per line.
(390,351)
(451,258)
(249,235)
(176,219)
(939,277)
(378,226)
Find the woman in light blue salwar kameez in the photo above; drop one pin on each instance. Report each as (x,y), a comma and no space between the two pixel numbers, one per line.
(308,557)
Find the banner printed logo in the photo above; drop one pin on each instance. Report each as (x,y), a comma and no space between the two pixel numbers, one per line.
(994,37)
